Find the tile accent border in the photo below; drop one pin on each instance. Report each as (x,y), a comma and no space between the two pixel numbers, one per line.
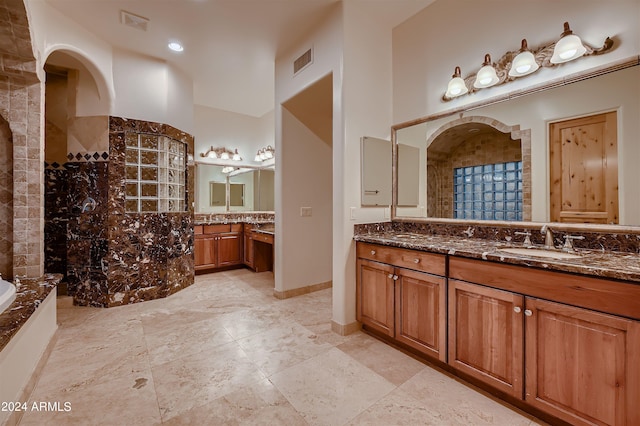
(302,290)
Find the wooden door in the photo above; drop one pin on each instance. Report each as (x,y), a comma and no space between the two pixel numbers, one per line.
(582,366)
(421,312)
(204,251)
(229,249)
(375,296)
(583,157)
(486,335)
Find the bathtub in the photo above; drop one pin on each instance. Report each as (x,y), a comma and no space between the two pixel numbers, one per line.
(7,295)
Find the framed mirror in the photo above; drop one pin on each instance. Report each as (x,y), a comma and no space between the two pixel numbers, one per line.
(500,161)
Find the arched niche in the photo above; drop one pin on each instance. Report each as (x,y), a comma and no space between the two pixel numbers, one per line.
(468,142)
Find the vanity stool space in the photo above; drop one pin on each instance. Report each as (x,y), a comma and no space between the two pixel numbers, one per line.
(562,346)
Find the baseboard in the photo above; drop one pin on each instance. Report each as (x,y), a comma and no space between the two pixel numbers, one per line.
(345,330)
(302,290)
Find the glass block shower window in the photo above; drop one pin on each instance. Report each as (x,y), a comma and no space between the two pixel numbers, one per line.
(488,192)
(155,174)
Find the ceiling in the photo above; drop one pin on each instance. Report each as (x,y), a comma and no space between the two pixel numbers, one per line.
(229,45)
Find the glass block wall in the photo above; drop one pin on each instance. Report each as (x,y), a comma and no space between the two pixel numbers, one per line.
(488,191)
(155,174)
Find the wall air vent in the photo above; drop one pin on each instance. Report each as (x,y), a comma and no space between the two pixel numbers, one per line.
(134,21)
(302,61)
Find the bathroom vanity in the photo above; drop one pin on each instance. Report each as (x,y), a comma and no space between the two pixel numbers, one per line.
(556,336)
(230,241)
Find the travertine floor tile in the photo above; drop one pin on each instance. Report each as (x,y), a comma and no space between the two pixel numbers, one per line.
(201,378)
(390,363)
(331,388)
(226,352)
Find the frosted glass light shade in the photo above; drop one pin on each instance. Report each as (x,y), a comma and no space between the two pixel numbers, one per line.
(487,76)
(568,48)
(456,86)
(523,64)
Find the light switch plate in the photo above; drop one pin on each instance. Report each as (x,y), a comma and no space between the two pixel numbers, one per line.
(305,211)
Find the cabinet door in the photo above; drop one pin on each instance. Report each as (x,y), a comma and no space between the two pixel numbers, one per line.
(421,312)
(375,296)
(486,335)
(582,366)
(248,249)
(204,251)
(229,249)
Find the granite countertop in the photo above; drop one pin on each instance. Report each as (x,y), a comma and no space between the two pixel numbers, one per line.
(607,264)
(234,221)
(268,228)
(32,292)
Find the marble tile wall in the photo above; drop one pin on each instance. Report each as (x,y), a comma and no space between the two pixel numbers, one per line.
(21,105)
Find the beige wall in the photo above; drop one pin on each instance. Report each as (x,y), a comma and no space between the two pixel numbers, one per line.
(450,33)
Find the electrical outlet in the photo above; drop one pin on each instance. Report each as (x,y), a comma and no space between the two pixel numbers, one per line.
(305,211)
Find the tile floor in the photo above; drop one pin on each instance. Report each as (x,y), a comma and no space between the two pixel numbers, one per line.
(226,352)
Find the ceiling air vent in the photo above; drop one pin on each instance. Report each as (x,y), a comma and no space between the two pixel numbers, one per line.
(302,61)
(134,21)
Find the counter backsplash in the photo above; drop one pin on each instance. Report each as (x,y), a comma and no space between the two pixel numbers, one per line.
(235,217)
(626,242)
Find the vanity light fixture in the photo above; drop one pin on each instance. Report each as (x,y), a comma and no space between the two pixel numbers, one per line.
(568,48)
(221,153)
(456,86)
(516,64)
(524,63)
(487,76)
(264,154)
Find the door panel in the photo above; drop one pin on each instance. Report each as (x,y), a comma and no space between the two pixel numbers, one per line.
(375,296)
(584,170)
(421,312)
(486,335)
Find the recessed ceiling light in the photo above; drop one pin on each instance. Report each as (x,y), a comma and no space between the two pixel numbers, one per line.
(175,46)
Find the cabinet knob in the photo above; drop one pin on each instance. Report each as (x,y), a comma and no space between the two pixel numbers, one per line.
(517,309)
(395,277)
(390,276)
(373,252)
(416,260)
(528,312)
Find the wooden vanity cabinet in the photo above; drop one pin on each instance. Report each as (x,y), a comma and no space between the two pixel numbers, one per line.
(402,294)
(218,246)
(570,361)
(486,335)
(248,245)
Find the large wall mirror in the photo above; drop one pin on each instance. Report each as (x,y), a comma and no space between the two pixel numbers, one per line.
(567,153)
(244,189)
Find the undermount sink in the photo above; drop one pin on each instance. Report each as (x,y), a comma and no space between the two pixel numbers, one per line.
(540,252)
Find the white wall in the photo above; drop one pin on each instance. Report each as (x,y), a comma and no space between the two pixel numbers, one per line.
(306,167)
(129,85)
(451,33)
(326,41)
(219,128)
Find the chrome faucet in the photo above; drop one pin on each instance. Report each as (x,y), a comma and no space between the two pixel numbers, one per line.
(548,236)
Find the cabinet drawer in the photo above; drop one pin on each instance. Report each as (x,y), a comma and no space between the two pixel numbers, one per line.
(265,238)
(618,298)
(410,259)
(216,229)
(198,229)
